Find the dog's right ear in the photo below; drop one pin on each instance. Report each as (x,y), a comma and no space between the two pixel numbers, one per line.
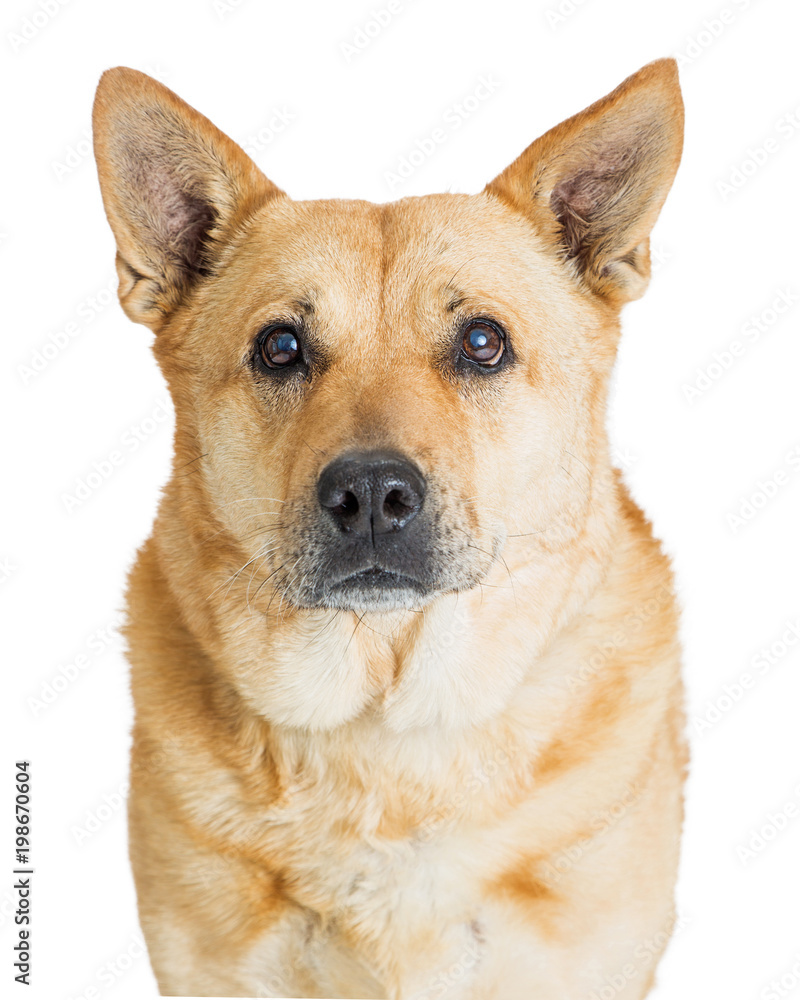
(174,187)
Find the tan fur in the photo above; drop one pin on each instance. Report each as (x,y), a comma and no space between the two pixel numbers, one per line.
(479,797)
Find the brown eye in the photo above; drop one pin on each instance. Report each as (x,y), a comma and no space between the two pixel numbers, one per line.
(280,347)
(482,343)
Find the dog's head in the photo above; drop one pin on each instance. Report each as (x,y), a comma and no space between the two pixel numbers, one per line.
(378,399)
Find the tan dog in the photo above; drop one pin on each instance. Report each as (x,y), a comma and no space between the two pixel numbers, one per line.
(408,704)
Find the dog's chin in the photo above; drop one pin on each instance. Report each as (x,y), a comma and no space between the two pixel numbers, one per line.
(375,590)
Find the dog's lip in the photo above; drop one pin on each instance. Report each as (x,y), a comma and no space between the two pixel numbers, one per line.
(377,576)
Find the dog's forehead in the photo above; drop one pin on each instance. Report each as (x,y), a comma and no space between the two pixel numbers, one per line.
(427,252)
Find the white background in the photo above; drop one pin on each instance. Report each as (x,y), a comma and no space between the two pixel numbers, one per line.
(725,255)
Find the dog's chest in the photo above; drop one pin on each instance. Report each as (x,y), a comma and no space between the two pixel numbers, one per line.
(357,855)
(378,908)
(376,895)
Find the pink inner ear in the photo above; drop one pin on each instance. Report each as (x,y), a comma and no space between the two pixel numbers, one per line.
(575,202)
(583,193)
(178,219)
(582,199)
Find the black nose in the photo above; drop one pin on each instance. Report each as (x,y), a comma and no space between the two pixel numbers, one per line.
(371,493)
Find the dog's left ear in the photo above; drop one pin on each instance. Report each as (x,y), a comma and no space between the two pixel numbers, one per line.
(593,186)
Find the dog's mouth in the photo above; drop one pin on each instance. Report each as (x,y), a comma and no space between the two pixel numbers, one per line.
(374,588)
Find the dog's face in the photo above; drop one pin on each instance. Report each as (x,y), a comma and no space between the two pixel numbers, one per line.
(383,398)
(391,387)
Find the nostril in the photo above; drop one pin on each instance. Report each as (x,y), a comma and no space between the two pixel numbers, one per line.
(397,504)
(343,504)
(348,505)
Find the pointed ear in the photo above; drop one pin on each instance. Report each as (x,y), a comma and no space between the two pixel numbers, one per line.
(174,187)
(593,186)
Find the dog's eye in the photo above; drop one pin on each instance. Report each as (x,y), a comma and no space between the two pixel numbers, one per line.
(482,343)
(279,346)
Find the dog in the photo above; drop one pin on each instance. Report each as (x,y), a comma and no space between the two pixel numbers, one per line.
(409,714)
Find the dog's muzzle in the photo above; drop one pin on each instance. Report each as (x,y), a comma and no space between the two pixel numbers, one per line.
(377,530)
